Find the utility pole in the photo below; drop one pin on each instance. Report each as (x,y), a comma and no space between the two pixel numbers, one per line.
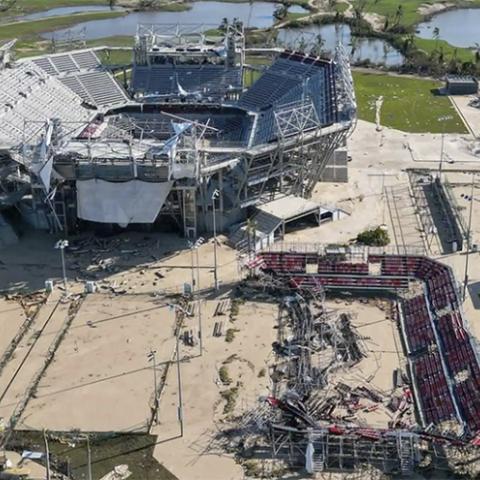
(200,336)
(89,459)
(442,148)
(61,245)
(47,454)
(191,245)
(215,195)
(151,357)
(198,267)
(194,254)
(179,380)
(469,239)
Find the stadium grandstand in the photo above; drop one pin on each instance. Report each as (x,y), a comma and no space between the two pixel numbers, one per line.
(97,153)
(442,355)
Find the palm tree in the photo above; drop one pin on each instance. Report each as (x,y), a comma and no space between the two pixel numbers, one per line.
(318,46)
(398,14)
(436,35)
(223,25)
(280,12)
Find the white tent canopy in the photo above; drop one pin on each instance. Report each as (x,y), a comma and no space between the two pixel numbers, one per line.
(120,202)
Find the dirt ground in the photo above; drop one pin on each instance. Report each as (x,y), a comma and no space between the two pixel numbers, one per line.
(246,360)
(12,316)
(101,379)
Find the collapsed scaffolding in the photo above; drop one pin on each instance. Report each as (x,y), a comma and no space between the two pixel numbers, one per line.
(308,420)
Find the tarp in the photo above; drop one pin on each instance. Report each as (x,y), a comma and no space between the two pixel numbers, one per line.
(123,202)
(32,455)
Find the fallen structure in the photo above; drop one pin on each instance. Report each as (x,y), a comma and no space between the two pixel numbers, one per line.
(442,355)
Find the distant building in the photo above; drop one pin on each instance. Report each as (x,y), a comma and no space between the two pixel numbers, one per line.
(461,85)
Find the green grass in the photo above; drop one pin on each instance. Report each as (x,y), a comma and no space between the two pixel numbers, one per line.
(31,30)
(296,16)
(115,57)
(430,45)
(341,7)
(409,104)
(410,14)
(30,6)
(32,48)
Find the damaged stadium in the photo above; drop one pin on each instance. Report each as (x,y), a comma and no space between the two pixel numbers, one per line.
(81,150)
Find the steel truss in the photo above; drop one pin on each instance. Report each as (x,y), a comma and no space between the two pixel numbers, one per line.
(393,453)
(293,166)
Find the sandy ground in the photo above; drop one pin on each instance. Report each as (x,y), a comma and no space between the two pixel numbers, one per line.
(471,115)
(12,316)
(432,8)
(30,354)
(131,262)
(198,451)
(101,379)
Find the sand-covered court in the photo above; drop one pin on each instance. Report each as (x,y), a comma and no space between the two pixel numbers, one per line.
(101,379)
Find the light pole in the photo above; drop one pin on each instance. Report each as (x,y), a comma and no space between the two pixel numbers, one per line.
(47,454)
(61,245)
(200,337)
(178,308)
(443,120)
(215,195)
(179,381)
(469,238)
(194,252)
(151,358)
(89,459)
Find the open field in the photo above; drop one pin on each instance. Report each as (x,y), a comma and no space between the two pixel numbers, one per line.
(31,30)
(409,104)
(28,6)
(410,8)
(449,51)
(101,379)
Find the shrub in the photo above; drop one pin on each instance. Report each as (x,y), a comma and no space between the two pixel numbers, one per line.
(224,376)
(377,237)
(230,334)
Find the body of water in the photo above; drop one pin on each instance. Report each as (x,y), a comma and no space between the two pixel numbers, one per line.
(360,49)
(460,28)
(257,14)
(57,12)
(297,9)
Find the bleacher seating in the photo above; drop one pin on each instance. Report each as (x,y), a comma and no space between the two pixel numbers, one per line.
(209,80)
(350,281)
(83,73)
(68,62)
(97,88)
(437,404)
(28,95)
(291,78)
(439,346)
(342,267)
(284,262)
(418,325)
